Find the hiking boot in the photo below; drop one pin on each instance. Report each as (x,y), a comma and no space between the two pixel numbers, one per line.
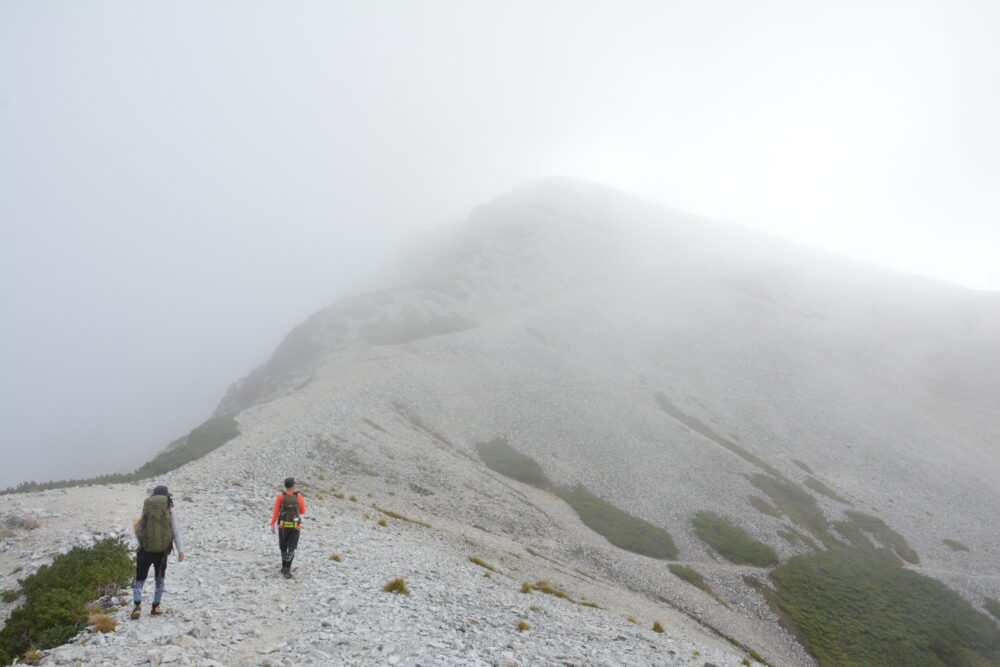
(157,610)
(136,612)
(287,574)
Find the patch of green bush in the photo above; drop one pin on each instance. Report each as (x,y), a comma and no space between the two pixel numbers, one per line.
(820,487)
(206,438)
(955,545)
(732,542)
(500,457)
(763,506)
(853,608)
(57,594)
(706,431)
(888,537)
(620,528)
(691,576)
(798,505)
(993,606)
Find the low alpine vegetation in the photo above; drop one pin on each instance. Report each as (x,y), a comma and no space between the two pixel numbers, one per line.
(851,607)
(993,606)
(397,586)
(396,515)
(483,564)
(522,626)
(9,595)
(691,576)
(202,440)
(618,527)
(819,487)
(500,457)
(57,595)
(658,627)
(102,623)
(546,587)
(955,545)
(526,588)
(734,544)
(336,558)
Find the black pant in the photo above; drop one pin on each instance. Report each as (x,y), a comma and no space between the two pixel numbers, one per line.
(143,559)
(288,540)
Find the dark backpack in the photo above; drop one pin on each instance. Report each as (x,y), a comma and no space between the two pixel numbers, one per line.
(288,515)
(156,530)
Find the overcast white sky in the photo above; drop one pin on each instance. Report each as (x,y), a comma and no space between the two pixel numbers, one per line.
(181,182)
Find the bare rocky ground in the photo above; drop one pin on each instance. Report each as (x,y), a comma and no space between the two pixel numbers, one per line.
(227,604)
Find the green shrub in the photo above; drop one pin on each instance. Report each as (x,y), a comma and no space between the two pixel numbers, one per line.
(691,576)
(795,503)
(734,544)
(57,594)
(853,608)
(620,528)
(9,595)
(955,545)
(888,537)
(500,457)
(763,506)
(206,438)
(993,606)
(658,627)
(819,487)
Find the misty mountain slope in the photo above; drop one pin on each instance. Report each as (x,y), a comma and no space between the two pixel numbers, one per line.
(557,315)
(659,362)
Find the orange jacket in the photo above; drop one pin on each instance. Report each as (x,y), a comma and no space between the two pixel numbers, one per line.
(277,507)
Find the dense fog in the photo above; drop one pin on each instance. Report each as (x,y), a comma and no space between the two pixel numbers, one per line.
(180,184)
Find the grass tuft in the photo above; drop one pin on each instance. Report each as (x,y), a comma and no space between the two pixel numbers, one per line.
(10,594)
(397,586)
(526,588)
(383,523)
(522,626)
(481,563)
(396,515)
(102,623)
(658,627)
(336,558)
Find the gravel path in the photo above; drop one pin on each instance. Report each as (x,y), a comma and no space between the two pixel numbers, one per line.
(227,604)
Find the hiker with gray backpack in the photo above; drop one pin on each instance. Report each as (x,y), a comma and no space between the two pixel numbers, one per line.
(158,534)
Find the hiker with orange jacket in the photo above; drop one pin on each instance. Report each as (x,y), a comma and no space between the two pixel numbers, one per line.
(289,507)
